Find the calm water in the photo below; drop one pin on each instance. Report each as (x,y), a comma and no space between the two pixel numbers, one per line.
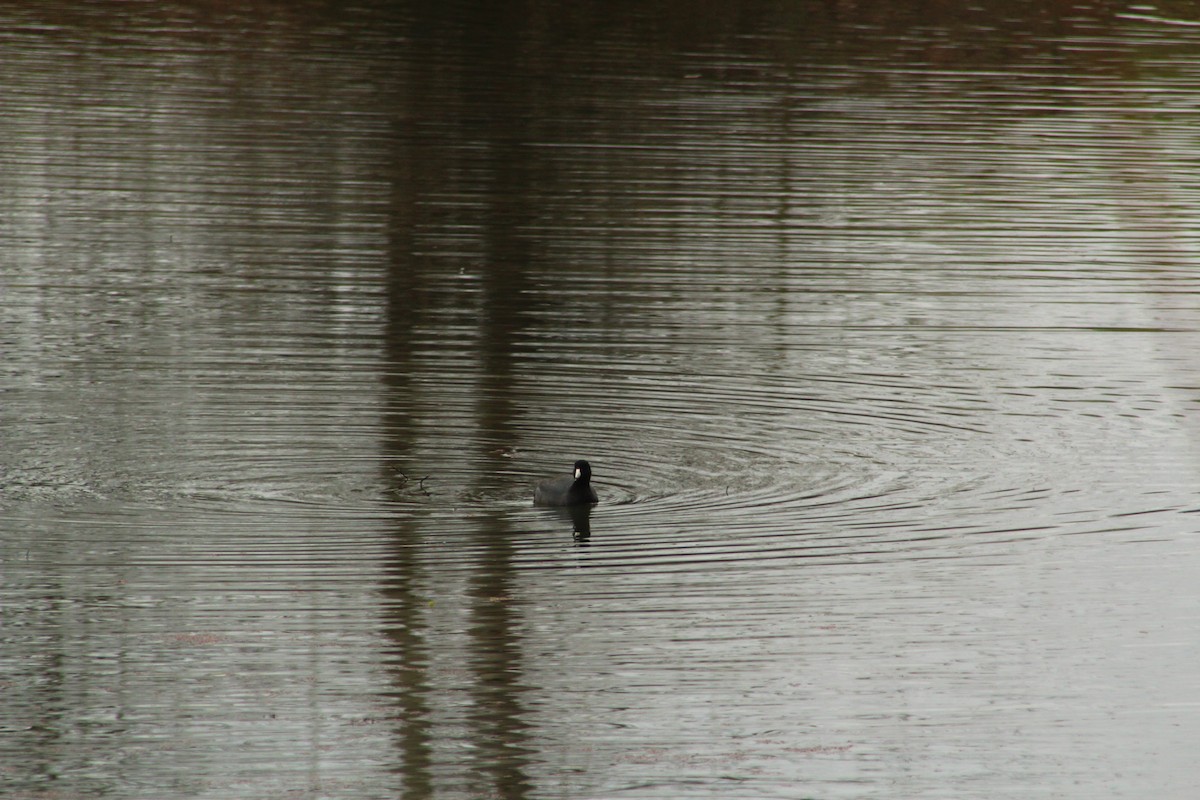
(880,328)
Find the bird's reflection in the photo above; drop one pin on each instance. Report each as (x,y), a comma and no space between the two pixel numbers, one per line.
(580,518)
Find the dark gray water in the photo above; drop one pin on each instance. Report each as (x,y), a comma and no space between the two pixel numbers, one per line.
(878,323)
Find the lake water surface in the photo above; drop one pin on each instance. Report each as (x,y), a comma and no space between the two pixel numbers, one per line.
(879,324)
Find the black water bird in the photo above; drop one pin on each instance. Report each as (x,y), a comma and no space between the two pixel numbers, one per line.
(573,490)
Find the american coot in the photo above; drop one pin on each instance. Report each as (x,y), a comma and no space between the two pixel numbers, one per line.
(574,490)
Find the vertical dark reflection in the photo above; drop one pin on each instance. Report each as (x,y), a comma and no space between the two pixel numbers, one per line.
(407,629)
(405,588)
(498,720)
(458,120)
(493,88)
(406,602)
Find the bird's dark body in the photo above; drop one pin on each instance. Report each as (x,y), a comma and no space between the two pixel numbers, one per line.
(570,490)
